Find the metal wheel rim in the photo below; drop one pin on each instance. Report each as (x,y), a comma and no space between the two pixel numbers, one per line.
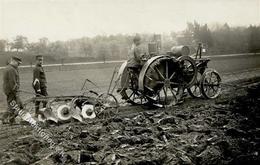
(189,69)
(195,90)
(158,81)
(211,82)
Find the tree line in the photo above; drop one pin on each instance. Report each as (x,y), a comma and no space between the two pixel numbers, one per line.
(223,39)
(218,39)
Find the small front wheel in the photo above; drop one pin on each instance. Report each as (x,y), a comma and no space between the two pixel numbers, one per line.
(210,84)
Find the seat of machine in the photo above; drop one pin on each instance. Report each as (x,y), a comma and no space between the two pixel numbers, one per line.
(199,60)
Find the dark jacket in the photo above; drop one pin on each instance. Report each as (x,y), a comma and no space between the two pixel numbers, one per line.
(39,78)
(134,56)
(11,80)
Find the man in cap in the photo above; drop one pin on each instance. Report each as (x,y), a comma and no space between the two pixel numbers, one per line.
(135,54)
(39,83)
(11,84)
(133,64)
(199,50)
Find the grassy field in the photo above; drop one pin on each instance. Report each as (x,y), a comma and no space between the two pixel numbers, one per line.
(64,81)
(68,80)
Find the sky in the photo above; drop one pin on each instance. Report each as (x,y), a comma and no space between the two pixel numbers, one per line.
(69,19)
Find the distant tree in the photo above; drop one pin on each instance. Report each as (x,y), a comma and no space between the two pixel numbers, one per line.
(205,36)
(43,45)
(198,33)
(114,48)
(58,49)
(102,51)
(33,48)
(3,45)
(86,46)
(40,47)
(254,39)
(20,43)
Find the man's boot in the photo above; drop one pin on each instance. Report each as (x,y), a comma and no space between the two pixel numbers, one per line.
(12,116)
(36,112)
(5,117)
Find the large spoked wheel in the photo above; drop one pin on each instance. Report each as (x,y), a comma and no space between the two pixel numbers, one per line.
(195,90)
(210,84)
(188,71)
(106,106)
(158,80)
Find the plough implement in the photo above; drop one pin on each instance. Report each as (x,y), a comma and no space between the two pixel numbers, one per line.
(87,105)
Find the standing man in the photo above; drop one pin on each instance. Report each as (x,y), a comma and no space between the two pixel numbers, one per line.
(39,83)
(199,50)
(11,84)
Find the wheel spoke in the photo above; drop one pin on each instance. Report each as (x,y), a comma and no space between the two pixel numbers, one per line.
(189,74)
(206,88)
(159,82)
(159,73)
(174,97)
(214,90)
(165,93)
(166,70)
(174,90)
(198,90)
(172,75)
(134,96)
(149,88)
(215,79)
(210,91)
(173,94)
(174,83)
(149,78)
(131,94)
(195,89)
(210,77)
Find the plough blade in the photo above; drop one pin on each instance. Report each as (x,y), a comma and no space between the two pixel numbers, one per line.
(88,111)
(64,112)
(27,117)
(47,115)
(76,114)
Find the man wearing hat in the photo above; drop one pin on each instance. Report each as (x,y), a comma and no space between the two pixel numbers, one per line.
(134,60)
(11,84)
(199,50)
(39,83)
(135,54)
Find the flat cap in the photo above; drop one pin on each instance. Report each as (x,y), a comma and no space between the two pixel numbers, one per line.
(136,38)
(38,56)
(17,59)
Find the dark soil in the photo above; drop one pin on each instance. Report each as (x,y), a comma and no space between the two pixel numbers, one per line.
(221,131)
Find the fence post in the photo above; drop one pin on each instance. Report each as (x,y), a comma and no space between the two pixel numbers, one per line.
(62,63)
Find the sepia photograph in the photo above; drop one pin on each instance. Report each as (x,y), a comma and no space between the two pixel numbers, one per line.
(138,82)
